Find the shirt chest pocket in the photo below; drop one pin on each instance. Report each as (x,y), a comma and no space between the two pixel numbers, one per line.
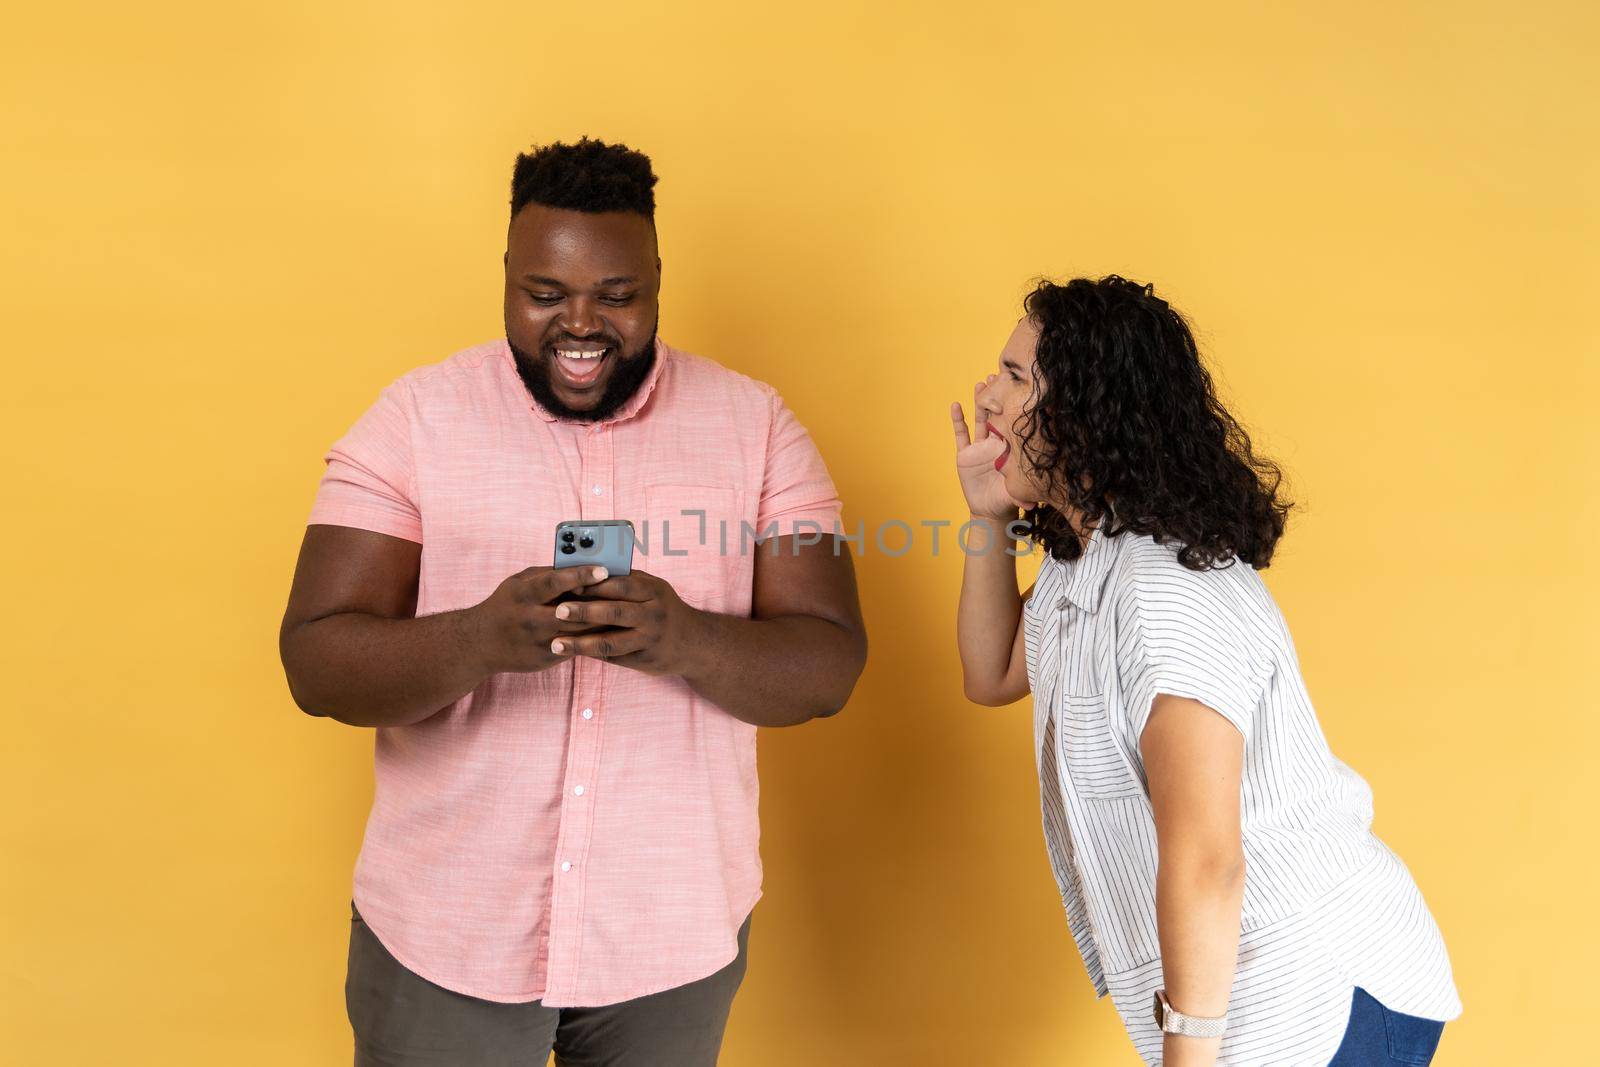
(1091,753)
(693,537)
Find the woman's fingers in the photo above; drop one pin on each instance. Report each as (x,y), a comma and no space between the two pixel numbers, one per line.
(980,428)
(958,422)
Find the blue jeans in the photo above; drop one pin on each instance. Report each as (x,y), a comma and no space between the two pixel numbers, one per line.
(1378,1037)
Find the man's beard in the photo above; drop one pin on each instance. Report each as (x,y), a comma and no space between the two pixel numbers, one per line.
(626,378)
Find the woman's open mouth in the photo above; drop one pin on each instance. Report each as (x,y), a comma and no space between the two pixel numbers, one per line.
(1000,460)
(579,367)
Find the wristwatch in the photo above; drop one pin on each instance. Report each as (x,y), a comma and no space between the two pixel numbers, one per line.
(1173,1021)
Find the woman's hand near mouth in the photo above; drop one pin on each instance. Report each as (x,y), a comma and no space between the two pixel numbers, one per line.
(976,456)
(989,632)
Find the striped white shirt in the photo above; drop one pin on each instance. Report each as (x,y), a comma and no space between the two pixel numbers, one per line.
(1327,906)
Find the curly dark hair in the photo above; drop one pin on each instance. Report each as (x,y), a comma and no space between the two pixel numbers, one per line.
(588,176)
(1126,427)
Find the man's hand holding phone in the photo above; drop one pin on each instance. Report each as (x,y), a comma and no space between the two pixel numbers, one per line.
(515,625)
(649,628)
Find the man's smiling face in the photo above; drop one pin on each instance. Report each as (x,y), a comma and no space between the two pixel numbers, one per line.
(581,306)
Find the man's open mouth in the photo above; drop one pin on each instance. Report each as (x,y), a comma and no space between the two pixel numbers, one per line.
(579,367)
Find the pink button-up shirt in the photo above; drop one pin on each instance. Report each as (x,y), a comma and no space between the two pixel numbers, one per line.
(585,834)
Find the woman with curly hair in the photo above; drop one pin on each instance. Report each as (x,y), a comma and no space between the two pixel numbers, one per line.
(1216,861)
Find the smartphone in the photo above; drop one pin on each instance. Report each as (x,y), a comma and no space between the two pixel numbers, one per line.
(606,543)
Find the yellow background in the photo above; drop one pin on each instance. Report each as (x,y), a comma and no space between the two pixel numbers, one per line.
(227,227)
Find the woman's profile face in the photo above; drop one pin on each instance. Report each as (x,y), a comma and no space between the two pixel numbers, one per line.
(1002,403)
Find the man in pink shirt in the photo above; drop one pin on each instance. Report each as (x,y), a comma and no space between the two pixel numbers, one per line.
(562,849)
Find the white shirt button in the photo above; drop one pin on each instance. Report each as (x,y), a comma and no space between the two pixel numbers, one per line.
(565,866)
(588,713)
(598,490)
(577,791)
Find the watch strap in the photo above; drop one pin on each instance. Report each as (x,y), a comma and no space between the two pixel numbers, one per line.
(1173,1021)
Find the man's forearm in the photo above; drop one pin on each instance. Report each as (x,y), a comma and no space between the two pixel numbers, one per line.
(370,671)
(774,672)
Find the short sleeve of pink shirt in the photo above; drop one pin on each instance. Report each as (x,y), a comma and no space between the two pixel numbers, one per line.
(797,495)
(370,477)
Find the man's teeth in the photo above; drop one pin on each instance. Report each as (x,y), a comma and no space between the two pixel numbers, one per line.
(580,355)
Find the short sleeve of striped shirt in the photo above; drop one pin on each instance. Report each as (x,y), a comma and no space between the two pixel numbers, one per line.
(797,494)
(369,480)
(1188,634)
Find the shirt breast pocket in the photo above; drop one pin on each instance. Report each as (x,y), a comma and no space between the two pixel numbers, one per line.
(692,539)
(1091,753)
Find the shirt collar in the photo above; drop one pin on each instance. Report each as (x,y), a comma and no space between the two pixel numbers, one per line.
(1086,576)
(626,411)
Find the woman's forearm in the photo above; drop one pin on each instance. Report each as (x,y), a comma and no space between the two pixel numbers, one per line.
(989,611)
(1198,898)
(1194,760)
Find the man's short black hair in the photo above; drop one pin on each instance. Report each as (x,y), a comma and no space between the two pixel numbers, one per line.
(588,176)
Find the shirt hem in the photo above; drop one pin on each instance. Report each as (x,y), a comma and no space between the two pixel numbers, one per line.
(653,989)
(1308,912)
(427,974)
(539,995)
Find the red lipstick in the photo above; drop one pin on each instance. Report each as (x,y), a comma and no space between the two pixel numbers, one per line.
(1000,461)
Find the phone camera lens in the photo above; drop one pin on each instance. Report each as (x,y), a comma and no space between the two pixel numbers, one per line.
(586,542)
(567,536)
(567,550)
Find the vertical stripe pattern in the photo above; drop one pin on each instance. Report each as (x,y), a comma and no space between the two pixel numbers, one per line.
(1327,906)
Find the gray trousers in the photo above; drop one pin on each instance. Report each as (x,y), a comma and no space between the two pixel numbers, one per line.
(402,1020)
